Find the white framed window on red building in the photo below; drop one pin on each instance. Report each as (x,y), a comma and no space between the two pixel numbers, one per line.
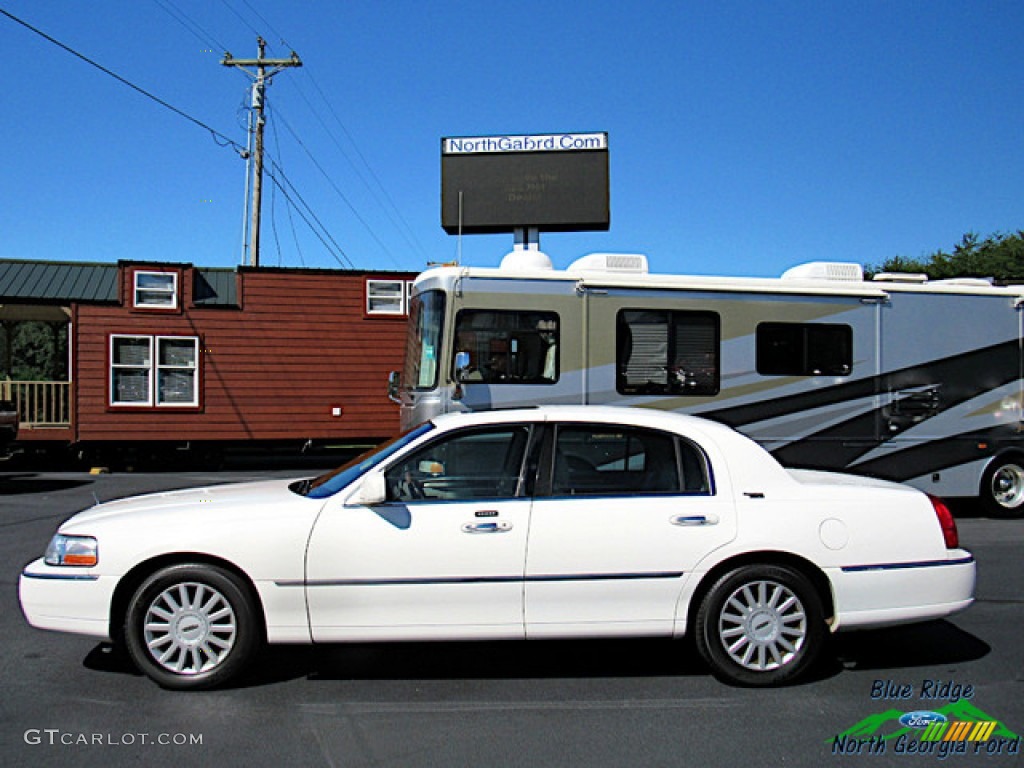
(388,297)
(154,290)
(154,371)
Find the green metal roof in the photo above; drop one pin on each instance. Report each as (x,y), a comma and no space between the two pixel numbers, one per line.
(53,281)
(215,288)
(62,282)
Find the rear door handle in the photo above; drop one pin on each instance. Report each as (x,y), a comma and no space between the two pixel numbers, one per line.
(491,526)
(693,520)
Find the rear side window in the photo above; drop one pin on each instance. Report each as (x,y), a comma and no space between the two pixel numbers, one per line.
(804,349)
(615,460)
(662,352)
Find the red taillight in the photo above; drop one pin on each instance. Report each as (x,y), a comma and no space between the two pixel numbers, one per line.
(946,522)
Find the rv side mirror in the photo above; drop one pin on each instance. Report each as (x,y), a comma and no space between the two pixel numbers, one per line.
(461,365)
(394,384)
(372,491)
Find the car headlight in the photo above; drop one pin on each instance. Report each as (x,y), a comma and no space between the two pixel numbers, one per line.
(72,550)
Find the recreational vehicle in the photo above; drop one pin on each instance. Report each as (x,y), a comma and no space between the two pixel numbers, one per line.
(898,377)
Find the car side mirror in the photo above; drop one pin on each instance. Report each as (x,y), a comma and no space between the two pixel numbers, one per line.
(372,491)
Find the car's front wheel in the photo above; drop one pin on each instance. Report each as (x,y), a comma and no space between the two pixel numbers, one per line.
(760,625)
(191,626)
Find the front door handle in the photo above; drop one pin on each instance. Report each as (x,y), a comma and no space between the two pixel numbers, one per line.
(491,526)
(692,520)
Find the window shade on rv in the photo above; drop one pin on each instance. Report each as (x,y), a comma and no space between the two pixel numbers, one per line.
(667,352)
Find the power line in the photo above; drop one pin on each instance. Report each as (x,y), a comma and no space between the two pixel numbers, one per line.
(219,137)
(275,172)
(411,233)
(266,23)
(402,227)
(288,208)
(242,19)
(337,189)
(191,25)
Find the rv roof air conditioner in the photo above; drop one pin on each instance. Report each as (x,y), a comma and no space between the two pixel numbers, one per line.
(900,277)
(620,263)
(526,260)
(826,270)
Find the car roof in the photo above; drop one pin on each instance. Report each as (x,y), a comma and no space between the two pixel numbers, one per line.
(602,414)
(749,465)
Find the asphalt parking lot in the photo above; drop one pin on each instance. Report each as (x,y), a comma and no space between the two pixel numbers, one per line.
(71,700)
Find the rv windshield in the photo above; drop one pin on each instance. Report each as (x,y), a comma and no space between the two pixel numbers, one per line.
(423,344)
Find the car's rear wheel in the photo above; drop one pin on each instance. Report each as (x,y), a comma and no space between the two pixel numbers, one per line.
(760,625)
(191,626)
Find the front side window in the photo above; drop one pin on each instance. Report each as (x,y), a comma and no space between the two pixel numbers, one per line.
(473,464)
(663,352)
(507,347)
(330,483)
(423,342)
(614,460)
(804,349)
(156,290)
(154,371)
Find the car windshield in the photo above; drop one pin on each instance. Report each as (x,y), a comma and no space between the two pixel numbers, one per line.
(332,482)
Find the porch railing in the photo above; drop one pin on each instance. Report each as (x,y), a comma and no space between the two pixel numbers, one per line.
(40,403)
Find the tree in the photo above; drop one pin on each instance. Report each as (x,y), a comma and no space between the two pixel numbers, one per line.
(34,351)
(999,256)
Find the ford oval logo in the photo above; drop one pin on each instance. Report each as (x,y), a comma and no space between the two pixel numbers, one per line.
(921,719)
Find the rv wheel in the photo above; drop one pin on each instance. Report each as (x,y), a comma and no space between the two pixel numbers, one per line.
(1002,487)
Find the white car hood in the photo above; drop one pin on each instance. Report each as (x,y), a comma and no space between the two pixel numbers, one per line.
(230,495)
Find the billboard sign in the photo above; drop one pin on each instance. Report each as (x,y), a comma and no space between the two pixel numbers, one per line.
(551,182)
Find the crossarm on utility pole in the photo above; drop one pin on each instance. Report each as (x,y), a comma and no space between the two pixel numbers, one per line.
(260,78)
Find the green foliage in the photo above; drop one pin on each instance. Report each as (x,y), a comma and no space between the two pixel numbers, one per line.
(34,351)
(999,256)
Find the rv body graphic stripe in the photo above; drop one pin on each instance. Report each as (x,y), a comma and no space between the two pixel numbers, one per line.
(956,380)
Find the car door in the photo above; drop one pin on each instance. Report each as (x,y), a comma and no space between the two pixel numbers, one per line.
(443,557)
(616,528)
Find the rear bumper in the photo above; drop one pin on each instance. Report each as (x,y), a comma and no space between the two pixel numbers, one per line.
(884,594)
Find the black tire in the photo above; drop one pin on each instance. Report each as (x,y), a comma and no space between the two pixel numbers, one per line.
(1002,487)
(192,626)
(760,625)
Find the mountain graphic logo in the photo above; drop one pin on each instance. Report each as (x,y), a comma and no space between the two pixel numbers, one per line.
(886,725)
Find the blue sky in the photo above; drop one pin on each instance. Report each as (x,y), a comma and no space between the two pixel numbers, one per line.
(744,137)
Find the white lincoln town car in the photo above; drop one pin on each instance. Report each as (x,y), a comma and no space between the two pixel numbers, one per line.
(557,521)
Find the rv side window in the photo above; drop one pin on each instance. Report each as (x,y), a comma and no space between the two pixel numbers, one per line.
(804,349)
(661,352)
(506,347)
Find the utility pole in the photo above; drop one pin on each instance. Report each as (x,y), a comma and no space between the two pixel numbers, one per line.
(260,78)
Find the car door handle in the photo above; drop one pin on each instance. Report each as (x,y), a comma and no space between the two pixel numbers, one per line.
(492,526)
(688,520)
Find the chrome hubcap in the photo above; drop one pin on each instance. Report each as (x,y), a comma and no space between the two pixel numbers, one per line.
(762,625)
(190,628)
(1008,486)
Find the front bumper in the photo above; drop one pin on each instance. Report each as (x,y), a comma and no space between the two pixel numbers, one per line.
(66,599)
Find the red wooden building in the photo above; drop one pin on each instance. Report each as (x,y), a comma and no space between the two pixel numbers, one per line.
(173,353)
